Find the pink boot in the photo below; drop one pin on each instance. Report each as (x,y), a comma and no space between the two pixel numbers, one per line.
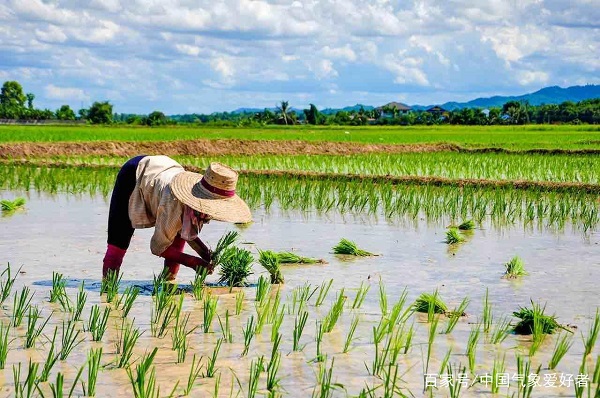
(172,267)
(112,259)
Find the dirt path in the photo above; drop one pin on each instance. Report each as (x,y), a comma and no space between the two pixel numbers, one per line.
(236,147)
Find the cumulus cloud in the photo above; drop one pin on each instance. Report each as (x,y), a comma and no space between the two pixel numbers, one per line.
(65,93)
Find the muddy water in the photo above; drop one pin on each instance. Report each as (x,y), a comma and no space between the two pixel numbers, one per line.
(66,234)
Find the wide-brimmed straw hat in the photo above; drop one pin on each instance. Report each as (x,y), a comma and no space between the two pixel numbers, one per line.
(212,193)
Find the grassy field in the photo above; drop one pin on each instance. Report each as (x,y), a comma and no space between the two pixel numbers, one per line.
(510,137)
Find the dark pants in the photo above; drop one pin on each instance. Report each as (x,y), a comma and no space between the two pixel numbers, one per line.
(120,229)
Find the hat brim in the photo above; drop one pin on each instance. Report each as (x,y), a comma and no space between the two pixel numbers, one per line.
(187,188)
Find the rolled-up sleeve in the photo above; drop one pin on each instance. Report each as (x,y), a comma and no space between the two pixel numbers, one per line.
(168,222)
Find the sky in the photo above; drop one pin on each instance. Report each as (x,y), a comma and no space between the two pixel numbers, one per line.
(201,56)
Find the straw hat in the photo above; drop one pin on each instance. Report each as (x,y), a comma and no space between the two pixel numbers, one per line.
(212,194)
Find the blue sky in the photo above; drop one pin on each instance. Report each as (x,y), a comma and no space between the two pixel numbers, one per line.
(184,56)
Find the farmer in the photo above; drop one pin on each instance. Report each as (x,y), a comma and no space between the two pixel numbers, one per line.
(155,191)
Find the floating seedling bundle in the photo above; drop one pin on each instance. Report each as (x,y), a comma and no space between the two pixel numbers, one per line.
(270,261)
(350,248)
(529,316)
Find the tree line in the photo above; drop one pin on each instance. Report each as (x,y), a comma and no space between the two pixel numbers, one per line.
(16,104)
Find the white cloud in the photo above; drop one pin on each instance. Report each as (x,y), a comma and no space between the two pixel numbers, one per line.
(65,93)
(406,69)
(526,78)
(53,34)
(323,69)
(344,52)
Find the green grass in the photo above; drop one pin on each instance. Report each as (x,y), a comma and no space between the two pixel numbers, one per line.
(516,137)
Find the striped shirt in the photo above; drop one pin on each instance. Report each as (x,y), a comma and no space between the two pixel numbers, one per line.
(152,204)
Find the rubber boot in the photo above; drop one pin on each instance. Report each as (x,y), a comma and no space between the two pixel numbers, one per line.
(112,259)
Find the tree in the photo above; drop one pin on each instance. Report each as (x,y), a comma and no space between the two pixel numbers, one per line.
(65,113)
(313,116)
(12,100)
(283,109)
(156,118)
(30,98)
(100,113)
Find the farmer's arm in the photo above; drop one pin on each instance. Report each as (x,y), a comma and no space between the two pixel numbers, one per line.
(201,248)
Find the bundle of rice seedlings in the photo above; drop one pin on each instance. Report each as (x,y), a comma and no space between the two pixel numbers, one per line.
(12,205)
(348,247)
(527,317)
(426,300)
(292,258)
(236,266)
(223,244)
(453,236)
(270,261)
(515,268)
(467,225)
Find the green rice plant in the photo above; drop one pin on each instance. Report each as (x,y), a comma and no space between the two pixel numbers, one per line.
(262,315)
(21,304)
(383,302)
(299,324)
(433,325)
(97,322)
(426,301)
(180,342)
(453,236)
(249,331)
(226,329)
(454,316)
(270,262)
(239,302)
(361,294)
(127,337)
(409,336)
(398,340)
(350,335)
(12,205)
(195,370)
(28,387)
(292,258)
(514,268)
(262,289)
(318,341)
(300,297)
(590,341)
(198,283)
(7,284)
(58,293)
(4,344)
(69,339)
(596,375)
(323,290)
(398,314)
(390,381)
(93,363)
(80,302)
(273,381)
(255,369)
(110,285)
(236,266)
(33,329)
(223,245)
(210,309)
(525,387)
(467,225)
(144,379)
(274,304)
(277,321)
(335,312)
(348,247)
(538,334)
(563,344)
(526,316)
(212,360)
(472,346)
(326,387)
(455,375)
(51,358)
(217,385)
(126,300)
(487,313)
(498,368)
(501,331)
(445,361)
(164,313)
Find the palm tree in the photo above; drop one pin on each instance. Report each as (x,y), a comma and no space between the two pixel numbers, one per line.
(283,108)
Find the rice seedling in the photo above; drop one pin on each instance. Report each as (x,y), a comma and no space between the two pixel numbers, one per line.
(223,245)
(93,363)
(58,293)
(198,283)
(383,302)
(270,262)
(226,329)
(180,342)
(239,302)
(456,379)
(326,387)
(454,316)
(445,361)
(472,346)
(323,290)
(563,344)
(292,258)
(525,386)
(51,358)
(273,381)
(537,334)
(4,344)
(97,322)
(514,268)
(80,302)
(487,312)
(21,304)
(409,337)
(249,331)
(501,331)
(526,323)
(262,315)
(212,360)
(274,303)
(236,266)
(195,370)
(9,206)
(498,368)
(335,312)
(299,324)
(129,296)
(361,294)
(28,387)
(69,339)
(262,289)
(596,375)
(218,384)
(164,311)
(467,225)
(144,379)
(348,247)
(453,236)
(210,309)
(33,329)
(390,382)
(7,284)
(300,297)
(255,369)
(350,335)
(57,388)
(426,301)
(110,285)
(127,337)
(433,325)
(277,321)
(590,341)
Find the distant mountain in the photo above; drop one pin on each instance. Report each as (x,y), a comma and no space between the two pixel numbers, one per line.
(356,108)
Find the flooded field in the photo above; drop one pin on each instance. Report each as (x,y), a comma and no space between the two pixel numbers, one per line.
(66,234)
